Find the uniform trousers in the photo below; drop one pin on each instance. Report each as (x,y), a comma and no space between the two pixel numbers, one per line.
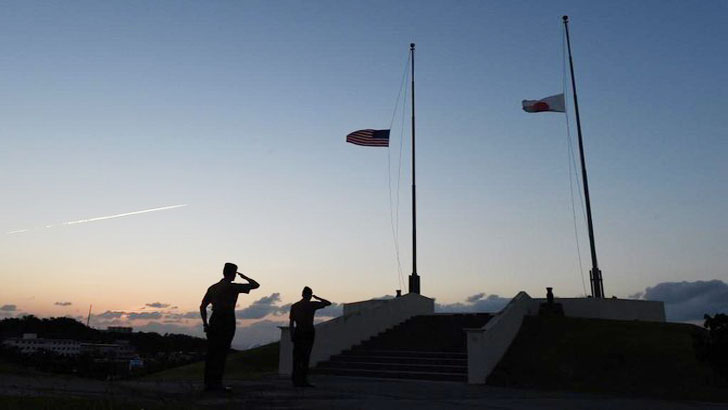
(220,334)
(302,345)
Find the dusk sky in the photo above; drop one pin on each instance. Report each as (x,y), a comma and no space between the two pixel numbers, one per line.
(239,111)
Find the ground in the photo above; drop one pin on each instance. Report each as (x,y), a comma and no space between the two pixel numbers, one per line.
(550,366)
(271,391)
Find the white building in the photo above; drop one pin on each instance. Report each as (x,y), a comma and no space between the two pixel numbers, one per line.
(31,343)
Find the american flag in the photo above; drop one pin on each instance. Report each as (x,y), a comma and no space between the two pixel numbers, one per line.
(369,138)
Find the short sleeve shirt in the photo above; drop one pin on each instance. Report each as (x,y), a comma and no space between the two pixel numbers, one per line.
(224,295)
(302,313)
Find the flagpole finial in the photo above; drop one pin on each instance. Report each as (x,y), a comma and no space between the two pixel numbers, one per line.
(565,18)
(412,46)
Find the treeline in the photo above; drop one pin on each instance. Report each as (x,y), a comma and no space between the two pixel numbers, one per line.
(159,352)
(146,343)
(714,349)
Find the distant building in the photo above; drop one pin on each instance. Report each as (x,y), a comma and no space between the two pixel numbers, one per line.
(120,349)
(119,329)
(30,343)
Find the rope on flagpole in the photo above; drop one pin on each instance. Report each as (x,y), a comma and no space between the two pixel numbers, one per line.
(399,171)
(572,167)
(405,76)
(394,206)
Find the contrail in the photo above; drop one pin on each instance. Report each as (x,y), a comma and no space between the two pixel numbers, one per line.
(18,231)
(101,218)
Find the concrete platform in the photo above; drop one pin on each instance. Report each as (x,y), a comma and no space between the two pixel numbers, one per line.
(329,393)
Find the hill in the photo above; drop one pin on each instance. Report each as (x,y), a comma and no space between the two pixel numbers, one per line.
(146,343)
(248,364)
(8,367)
(627,357)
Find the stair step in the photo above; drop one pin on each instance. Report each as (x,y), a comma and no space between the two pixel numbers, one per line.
(394,374)
(400,360)
(405,353)
(426,347)
(394,366)
(437,332)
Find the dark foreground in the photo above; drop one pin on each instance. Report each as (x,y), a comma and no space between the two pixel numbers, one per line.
(47,392)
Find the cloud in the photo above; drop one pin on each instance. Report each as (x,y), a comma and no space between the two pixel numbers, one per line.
(334,310)
(269,300)
(258,333)
(109,315)
(181,316)
(283,309)
(254,334)
(268,305)
(8,308)
(689,301)
(63,303)
(144,316)
(476,297)
(263,307)
(105,322)
(246,337)
(637,295)
(158,305)
(385,297)
(121,315)
(475,303)
(191,315)
(6,315)
(163,328)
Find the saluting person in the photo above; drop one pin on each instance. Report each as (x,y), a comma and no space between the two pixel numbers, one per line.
(220,330)
(303,334)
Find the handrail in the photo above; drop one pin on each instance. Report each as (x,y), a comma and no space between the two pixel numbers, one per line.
(488,345)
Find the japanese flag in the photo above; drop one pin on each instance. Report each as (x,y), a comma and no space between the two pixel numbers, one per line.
(553,103)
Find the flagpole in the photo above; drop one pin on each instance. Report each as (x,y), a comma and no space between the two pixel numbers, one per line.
(414,279)
(595,275)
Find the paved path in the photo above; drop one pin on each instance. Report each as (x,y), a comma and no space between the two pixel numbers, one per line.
(332,393)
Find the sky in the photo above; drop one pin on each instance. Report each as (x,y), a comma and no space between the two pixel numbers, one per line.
(238,110)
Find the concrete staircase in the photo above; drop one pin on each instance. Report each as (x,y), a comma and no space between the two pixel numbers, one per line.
(427,347)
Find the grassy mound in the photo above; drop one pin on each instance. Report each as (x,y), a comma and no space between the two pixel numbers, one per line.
(245,365)
(8,367)
(630,357)
(82,403)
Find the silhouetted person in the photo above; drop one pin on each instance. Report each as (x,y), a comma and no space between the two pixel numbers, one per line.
(303,333)
(220,331)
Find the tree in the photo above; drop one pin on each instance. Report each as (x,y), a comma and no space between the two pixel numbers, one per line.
(717,346)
